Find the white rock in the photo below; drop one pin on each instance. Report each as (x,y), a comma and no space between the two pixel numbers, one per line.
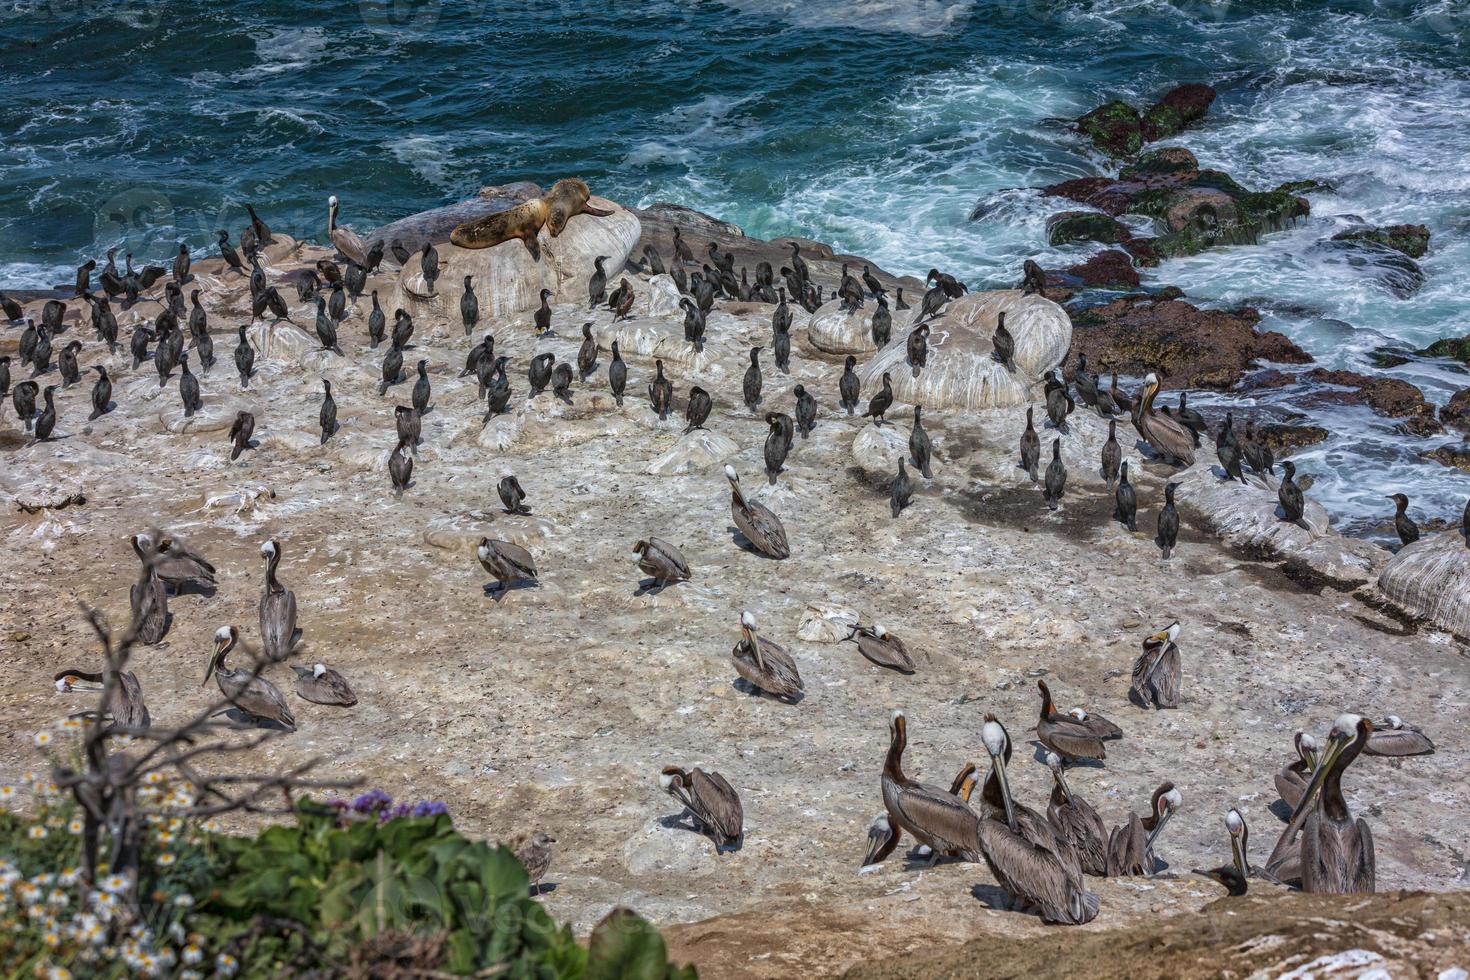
(1431,579)
(878,448)
(840,331)
(961,371)
(702,449)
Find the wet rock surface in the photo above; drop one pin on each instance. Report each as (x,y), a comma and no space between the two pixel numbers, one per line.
(1118,129)
(1189,347)
(1392,397)
(1411,240)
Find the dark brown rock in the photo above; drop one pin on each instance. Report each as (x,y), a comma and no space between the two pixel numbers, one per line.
(1392,397)
(1111,269)
(1066,227)
(1103,193)
(1455,454)
(1456,412)
(1282,436)
(1181,107)
(1188,347)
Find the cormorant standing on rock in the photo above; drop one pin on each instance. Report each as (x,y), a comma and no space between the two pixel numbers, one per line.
(849,388)
(920,447)
(542,316)
(377,323)
(1112,453)
(617,375)
(597,283)
(539,373)
(429,264)
(392,370)
(511,495)
(1030,448)
(806,411)
(751,387)
(400,468)
(561,382)
(469,307)
(1125,501)
(1085,383)
(1290,495)
(240,433)
(902,492)
(882,323)
(46,421)
(1004,343)
(101,394)
(1056,476)
(1168,522)
(918,348)
(244,358)
(881,402)
(420,396)
(778,444)
(189,388)
(661,391)
(1402,522)
(327,416)
(698,409)
(898,301)
(587,353)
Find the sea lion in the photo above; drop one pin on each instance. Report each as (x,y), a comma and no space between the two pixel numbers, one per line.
(524,221)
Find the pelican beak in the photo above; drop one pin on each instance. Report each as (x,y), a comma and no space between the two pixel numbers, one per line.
(1062,782)
(1005,790)
(1237,855)
(876,846)
(213,662)
(1335,744)
(1159,825)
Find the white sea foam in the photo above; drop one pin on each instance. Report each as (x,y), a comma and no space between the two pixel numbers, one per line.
(920,17)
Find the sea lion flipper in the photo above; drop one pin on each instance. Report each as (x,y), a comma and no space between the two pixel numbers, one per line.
(596,212)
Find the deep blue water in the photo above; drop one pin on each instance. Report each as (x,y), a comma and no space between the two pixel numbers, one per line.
(875,125)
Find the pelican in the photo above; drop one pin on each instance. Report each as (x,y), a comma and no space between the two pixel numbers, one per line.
(1291,781)
(764,663)
(321,684)
(1063,734)
(1240,837)
(277,608)
(177,565)
(245,689)
(1076,822)
(934,817)
(881,840)
(507,562)
(1097,724)
(711,799)
(1337,855)
(124,701)
(662,560)
(1157,672)
(1391,737)
(761,528)
(1131,845)
(148,598)
(882,647)
(1227,875)
(1029,860)
(346,241)
(1165,434)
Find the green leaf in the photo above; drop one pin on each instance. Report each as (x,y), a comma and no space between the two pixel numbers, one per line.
(626,947)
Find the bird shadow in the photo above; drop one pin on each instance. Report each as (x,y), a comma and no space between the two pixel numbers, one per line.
(1281,811)
(193,588)
(543,888)
(677,821)
(746,687)
(745,544)
(993,897)
(1041,751)
(245,720)
(499,590)
(650,586)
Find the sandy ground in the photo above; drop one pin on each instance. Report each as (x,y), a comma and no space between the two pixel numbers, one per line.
(554,708)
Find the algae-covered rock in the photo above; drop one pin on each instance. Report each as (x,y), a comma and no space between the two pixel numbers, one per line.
(1181,107)
(1113,127)
(1412,240)
(1085,226)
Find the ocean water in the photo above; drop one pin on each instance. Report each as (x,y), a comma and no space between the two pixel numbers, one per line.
(875,125)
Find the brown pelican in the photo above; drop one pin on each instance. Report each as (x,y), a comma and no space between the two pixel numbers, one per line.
(882,647)
(711,799)
(1032,864)
(1291,781)
(1063,734)
(1392,737)
(277,608)
(506,562)
(177,565)
(1157,671)
(1076,822)
(320,684)
(534,853)
(1240,837)
(148,598)
(1167,436)
(1097,724)
(245,689)
(881,840)
(761,528)
(1336,851)
(345,240)
(662,560)
(124,701)
(764,663)
(1131,845)
(936,818)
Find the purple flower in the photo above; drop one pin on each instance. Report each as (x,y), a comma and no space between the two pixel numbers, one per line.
(427,808)
(372,801)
